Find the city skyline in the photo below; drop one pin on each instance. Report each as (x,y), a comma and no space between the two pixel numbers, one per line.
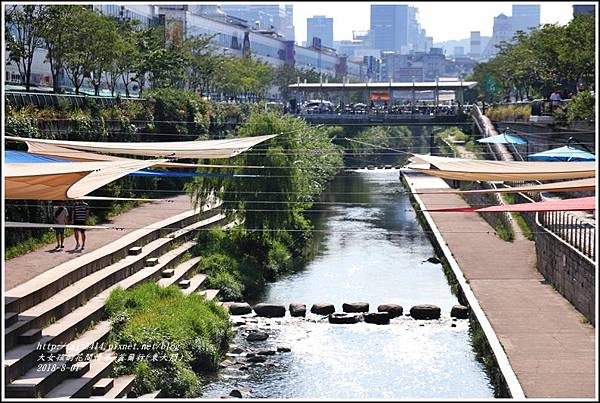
(433,16)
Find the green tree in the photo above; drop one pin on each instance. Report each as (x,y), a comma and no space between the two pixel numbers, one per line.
(23,35)
(300,160)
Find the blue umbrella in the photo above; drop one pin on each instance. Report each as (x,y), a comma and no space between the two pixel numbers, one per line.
(502,139)
(565,153)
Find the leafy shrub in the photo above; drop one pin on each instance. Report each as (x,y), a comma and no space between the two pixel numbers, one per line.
(582,107)
(228,283)
(152,320)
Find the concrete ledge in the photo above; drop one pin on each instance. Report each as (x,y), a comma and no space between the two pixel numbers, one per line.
(136,250)
(513,384)
(184,284)
(167,273)
(102,386)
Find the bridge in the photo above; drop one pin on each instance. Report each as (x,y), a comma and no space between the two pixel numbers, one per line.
(407,113)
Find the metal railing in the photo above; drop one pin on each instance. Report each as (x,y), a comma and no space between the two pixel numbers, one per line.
(41,99)
(578,233)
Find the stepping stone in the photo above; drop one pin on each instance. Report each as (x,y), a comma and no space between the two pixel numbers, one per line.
(297,309)
(10,318)
(152,261)
(460,312)
(167,273)
(355,307)
(102,386)
(183,284)
(30,336)
(136,250)
(78,369)
(378,318)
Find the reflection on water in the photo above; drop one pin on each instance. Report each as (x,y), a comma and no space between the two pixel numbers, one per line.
(357,259)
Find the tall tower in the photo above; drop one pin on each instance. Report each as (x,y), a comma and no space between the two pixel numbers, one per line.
(475,49)
(525,17)
(320,26)
(389,26)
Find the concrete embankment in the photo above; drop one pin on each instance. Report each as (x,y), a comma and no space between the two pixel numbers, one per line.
(543,347)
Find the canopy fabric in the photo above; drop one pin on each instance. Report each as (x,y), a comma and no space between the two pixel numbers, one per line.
(578,204)
(22,157)
(483,170)
(566,153)
(224,148)
(76,155)
(578,185)
(15,224)
(503,139)
(64,180)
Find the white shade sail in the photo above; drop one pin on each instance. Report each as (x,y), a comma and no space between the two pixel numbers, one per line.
(483,170)
(205,149)
(65,180)
(578,185)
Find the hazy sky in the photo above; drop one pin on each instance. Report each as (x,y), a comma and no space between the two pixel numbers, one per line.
(442,20)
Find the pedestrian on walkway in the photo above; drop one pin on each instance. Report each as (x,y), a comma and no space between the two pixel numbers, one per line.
(61,217)
(80,217)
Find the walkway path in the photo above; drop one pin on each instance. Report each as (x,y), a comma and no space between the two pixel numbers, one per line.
(549,347)
(26,267)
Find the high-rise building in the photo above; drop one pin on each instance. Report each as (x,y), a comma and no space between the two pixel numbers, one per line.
(475,43)
(459,51)
(584,9)
(525,17)
(320,26)
(264,16)
(503,32)
(389,26)
(395,27)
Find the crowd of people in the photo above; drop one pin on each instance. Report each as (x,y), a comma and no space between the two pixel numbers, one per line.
(406,108)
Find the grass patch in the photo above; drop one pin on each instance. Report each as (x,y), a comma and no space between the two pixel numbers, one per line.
(503,232)
(171,337)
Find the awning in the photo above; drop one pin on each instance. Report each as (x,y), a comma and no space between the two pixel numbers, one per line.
(578,185)
(206,149)
(64,180)
(483,170)
(578,204)
(566,153)
(51,150)
(502,139)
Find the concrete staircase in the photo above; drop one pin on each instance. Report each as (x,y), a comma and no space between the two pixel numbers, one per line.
(55,329)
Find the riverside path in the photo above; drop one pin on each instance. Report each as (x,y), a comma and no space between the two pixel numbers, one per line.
(549,345)
(25,267)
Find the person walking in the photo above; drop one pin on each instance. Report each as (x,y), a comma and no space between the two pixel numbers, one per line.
(80,217)
(61,217)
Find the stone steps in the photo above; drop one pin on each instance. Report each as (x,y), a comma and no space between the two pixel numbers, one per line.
(209,294)
(39,382)
(179,272)
(73,296)
(49,283)
(23,357)
(195,283)
(100,367)
(120,388)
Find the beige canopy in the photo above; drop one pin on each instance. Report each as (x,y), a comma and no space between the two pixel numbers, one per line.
(482,170)
(52,150)
(68,180)
(224,148)
(578,185)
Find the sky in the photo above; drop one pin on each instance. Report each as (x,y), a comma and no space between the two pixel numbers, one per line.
(442,20)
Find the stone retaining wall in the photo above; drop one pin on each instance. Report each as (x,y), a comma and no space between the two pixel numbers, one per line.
(569,272)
